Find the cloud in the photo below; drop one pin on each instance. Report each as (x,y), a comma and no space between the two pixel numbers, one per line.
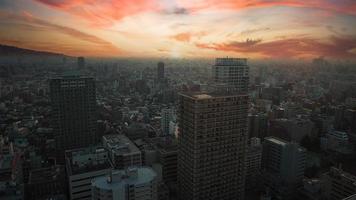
(102,13)
(341,6)
(28,22)
(187,36)
(336,47)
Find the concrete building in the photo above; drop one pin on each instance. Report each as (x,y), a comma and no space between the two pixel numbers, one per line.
(166,148)
(253,163)
(160,71)
(338,184)
(283,165)
(338,141)
(82,166)
(211,145)
(231,73)
(129,184)
(167,115)
(122,151)
(73,99)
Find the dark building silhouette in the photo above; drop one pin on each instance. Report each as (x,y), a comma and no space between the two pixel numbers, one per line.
(73,101)
(160,71)
(46,183)
(81,62)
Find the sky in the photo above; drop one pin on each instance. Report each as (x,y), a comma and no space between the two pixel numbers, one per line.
(274,29)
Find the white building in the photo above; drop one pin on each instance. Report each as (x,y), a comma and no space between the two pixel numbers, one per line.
(82,166)
(130,184)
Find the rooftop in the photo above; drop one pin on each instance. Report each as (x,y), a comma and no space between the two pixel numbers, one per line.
(276,140)
(85,160)
(231,61)
(120,178)
(209,95)
(120,144)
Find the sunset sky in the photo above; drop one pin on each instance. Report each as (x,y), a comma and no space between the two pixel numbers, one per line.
(182,28)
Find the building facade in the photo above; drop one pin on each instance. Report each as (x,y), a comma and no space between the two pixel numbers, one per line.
(130,184)
(73,101)
(338,184)
(211,146)
(232,74)
(283,165)
(122,151)
(83,165)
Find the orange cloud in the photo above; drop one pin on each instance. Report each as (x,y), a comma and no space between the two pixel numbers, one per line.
(337,47)
(29,22)
(102,13)
(342,6)
(187,36)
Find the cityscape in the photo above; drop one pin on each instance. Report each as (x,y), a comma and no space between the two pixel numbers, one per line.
(177,100)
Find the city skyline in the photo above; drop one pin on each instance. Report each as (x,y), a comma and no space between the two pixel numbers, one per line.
(181,28)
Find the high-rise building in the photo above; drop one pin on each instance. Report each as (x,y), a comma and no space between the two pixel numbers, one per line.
(46,183)
(211,146)
(167,115)
(83,165)
(160,71)
(130,184)
(73,99)
(338,184)
(122,151)
(231,74)
(81,62)
(253,162)
(283,165)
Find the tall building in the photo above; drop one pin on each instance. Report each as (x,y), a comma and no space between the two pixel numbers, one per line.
(73,99)
(253,163)
(81,62)
(232,74)
(83,165)
(160,71)
(283,165)
(122,151)
(130,184)
(46,183)
(211,146)
(167,115)
(338,184)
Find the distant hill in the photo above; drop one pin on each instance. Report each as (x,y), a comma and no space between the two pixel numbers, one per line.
(6,50)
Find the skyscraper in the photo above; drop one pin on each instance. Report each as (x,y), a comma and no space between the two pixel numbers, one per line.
(212,141)
(160,71)
(231,74)
(73,101)
(81,62)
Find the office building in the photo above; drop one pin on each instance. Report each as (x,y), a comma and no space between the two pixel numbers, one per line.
(129,184)
(211,145)
(160,71)
(338,184)
(231,74)
(82,166)
(122,151)
(167,115)
(46,183)
(283,165)
(253,163)
(73,101)
(166,148)
(81,62)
